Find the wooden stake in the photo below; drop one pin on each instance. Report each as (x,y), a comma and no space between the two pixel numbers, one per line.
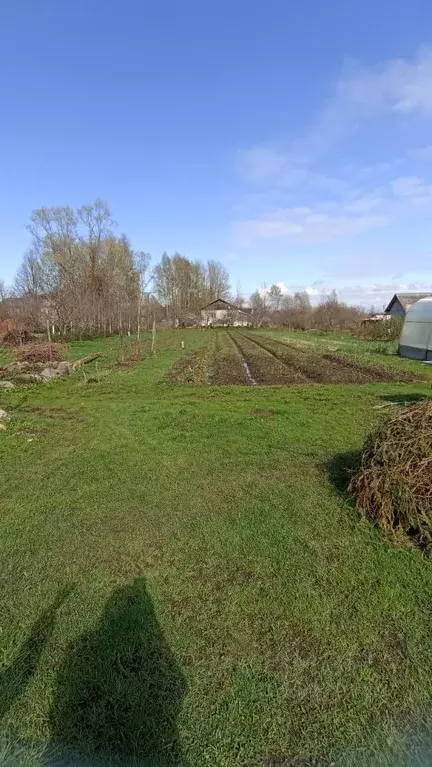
(153,344)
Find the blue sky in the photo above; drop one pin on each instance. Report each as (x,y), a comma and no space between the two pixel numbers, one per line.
(292,141)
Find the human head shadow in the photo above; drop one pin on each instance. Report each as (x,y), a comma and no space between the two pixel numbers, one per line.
(15,678)
(119,689)
(339,469)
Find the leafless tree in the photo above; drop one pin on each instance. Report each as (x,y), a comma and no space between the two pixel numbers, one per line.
(275,297)
(4,307)
(83,278)
(142,262)
(87,279)
(184,286)
(258,307)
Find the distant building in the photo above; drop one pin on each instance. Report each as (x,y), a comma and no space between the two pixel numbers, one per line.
(376,318)
(401,302)
(222,313)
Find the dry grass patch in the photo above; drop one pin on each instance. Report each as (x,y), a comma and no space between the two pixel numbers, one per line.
(41,353)
(393,486)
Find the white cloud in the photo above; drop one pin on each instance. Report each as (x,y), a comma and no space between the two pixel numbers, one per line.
(380,167)
(305,226)
(424,153)
(398,86)
(364,205)
(265,228)
(377,295)
(290,289)
(261,164)
(351,214)
(414,192)
(304,205)
(284,288)
(268,167)
(408,186)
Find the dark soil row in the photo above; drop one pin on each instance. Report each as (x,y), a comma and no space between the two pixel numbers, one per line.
(272,362)
(226,368)
(378,372)
(313,368)
(329,368)
(264,367)
(190,369)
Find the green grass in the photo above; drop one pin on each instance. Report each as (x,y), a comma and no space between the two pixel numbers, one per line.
(181,579)
(4,356)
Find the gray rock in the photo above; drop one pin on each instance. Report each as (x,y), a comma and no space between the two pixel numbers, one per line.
(7,385)
(28,378)
(65,368)
(17,367)
(3,415)
(49,373)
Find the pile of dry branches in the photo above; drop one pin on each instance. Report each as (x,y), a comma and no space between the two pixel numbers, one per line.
(393,486)
(47,352)
(17,338)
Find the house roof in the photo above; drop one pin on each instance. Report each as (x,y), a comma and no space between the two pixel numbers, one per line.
(406,299)
(220,303)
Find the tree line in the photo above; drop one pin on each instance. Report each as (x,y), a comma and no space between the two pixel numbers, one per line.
(271,306)
(79,277)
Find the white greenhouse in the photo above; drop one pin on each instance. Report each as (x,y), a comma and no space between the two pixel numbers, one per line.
(416,337)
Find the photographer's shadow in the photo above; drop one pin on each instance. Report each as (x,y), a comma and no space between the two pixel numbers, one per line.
(119,690)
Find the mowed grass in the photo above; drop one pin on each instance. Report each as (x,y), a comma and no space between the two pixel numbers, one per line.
(183,580)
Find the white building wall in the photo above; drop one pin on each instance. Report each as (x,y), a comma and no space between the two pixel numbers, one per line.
(224,317)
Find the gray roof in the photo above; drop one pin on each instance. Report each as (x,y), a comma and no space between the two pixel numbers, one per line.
(407,299)
(220,303)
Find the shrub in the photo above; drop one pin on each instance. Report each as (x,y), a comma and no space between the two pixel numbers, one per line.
(17,338)
(41,353)
(381,330)
(393,485)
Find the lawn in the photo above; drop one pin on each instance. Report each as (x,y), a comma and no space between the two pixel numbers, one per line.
(183,579)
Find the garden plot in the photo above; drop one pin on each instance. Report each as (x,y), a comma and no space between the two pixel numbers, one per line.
(264,367)
(225,366)
(238,357)
(313,367)
(327,368)
(190,369)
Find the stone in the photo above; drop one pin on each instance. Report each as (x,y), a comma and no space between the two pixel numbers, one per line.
(65,368)
(49,373)
(3,415)
(17,367)
(28,378)
(7,385)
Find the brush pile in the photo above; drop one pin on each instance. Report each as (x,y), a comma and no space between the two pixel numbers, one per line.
(16,338)
(40,353)
(393,485)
